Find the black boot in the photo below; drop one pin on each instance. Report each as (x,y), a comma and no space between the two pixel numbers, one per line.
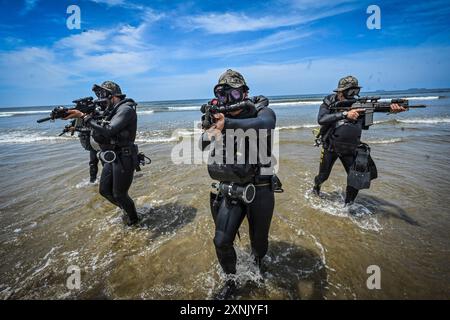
(259,264)
(130,221)
(348,203)
(93,173)
(316,190)
(350,195)
(227,291)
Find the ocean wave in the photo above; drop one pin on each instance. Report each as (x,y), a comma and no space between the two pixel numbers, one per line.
(187,108)
(389,121)
(152,109)
(413,98)
(424,98)
(292,103)
(157,140)
(318,102)
(197,107)
(171,108)
(426,121)
(22,113)
(385,141)
(23,138)
(296,127)
(146,137)
(146,112)
(414,121)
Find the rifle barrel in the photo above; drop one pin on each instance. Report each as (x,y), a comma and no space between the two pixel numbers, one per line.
(43,119)
(418,106)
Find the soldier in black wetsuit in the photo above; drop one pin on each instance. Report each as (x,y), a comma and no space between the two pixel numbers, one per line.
(341,133)
(84,134)
(229,213)
(115,135)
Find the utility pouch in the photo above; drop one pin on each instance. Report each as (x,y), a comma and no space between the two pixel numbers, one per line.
(276,185)
(359,175)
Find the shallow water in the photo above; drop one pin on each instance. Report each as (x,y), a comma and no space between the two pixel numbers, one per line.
(52,218)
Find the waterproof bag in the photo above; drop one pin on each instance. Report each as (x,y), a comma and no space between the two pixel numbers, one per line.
(359,175)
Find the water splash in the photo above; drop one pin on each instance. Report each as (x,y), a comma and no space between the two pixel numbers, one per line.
(85,183)
(333,204)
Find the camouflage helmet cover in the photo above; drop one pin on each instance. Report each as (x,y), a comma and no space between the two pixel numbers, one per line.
(233,79)
(347,83)
(111,87)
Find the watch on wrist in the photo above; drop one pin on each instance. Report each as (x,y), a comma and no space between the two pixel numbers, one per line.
(344,114)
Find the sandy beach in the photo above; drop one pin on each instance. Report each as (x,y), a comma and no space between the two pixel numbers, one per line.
(52,218)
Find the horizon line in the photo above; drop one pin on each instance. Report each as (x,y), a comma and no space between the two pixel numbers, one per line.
(269,96)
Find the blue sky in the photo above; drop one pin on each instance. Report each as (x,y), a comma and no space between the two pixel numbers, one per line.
(164,50)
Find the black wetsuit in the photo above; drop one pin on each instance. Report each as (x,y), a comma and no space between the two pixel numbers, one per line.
(230,213)
(118,135)
(340,139)
(93,165)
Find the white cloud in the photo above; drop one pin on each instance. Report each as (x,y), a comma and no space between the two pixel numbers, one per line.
(215,23)
(111,2)
(44,77)
(120,39)
(83,43)
(227,22)
(31,68)
(313,4)
(375,71)
(151,16)
(150,13)
(116,52)
(114,64)
(312,75)
(273,43)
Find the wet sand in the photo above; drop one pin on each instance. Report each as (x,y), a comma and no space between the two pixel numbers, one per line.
(52,218)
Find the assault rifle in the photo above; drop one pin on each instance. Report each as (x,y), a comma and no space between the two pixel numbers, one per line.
(371,105)
(85,105)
